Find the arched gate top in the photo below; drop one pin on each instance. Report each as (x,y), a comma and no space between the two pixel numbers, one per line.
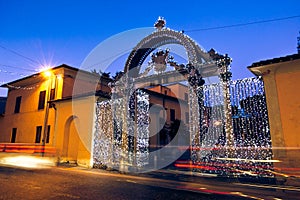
(162,36)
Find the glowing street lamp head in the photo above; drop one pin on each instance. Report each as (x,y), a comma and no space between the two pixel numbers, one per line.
(47,73)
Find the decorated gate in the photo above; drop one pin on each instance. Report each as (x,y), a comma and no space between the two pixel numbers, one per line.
(227,121)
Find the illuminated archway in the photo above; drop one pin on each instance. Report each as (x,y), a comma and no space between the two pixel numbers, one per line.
(196,55)
(200,64)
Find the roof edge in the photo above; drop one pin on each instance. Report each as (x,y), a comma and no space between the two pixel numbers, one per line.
(275,60)
(53,68)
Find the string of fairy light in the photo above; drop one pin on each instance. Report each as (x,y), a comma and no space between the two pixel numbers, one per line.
(114,144)
(14,73)
(8,72)
(251,141)
(258,136)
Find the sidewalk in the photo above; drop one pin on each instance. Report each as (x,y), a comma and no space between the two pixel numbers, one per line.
(25,160)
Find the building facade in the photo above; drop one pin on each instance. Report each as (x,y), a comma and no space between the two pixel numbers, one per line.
(168,110)
(281,79)
(39,111)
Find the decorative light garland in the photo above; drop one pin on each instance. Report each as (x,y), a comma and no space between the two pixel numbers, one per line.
(22,88)
(196,55)
(250,126)
(121,137)
(228,121)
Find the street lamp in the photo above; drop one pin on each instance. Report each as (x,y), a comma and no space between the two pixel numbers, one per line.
(47,74)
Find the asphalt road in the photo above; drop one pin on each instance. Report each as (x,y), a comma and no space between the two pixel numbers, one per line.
(76,183)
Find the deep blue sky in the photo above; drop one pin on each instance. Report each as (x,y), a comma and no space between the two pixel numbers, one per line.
(56,32)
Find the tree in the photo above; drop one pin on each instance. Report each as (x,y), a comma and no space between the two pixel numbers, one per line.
(118,75)
(101,73)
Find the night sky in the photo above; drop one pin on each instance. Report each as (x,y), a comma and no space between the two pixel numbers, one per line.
(37,33)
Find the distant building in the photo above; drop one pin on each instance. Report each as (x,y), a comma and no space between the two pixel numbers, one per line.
(168,109)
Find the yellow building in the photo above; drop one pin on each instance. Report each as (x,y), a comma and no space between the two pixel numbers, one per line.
(42,109)
(281,79)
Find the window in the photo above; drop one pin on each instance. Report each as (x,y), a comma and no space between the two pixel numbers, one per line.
(52,94)
(13,135)
(52,97)
(38,134)
(48,134)
(18,104)
(42,98)
(172,114)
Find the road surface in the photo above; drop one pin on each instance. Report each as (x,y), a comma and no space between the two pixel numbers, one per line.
(78,183)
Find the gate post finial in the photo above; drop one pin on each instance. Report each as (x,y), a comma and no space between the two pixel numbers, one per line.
(160,23)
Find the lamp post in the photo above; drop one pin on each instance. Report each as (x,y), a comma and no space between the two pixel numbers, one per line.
(48,74)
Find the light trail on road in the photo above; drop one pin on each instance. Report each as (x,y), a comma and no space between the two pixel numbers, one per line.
(207,186)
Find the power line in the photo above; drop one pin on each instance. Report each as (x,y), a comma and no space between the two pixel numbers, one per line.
(206,29)
(192,30)
(108,58)
(20,68)
(243,24)
(13,73)
(18,54)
